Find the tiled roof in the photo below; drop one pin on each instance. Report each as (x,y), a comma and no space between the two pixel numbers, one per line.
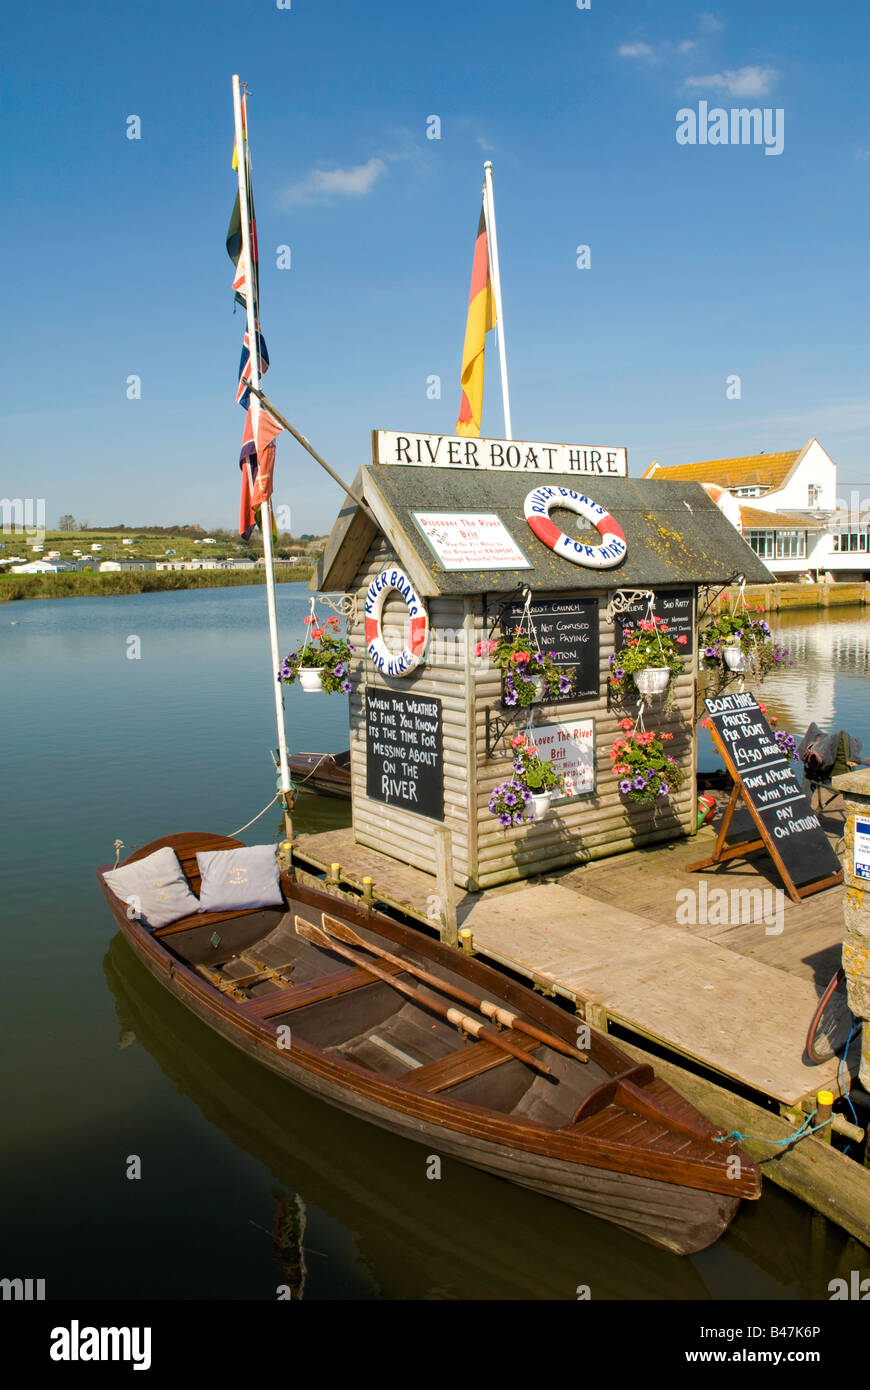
(755,517)
(769,469)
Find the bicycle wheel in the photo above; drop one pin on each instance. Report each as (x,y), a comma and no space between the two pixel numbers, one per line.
(832,1021)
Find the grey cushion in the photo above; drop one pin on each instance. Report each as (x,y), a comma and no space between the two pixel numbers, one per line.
(233,879)
(154,888)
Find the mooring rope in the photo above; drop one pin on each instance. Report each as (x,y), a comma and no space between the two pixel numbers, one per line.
(801,1133)
(233,833)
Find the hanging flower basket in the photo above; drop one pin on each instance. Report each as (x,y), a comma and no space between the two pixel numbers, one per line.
(309,678)
(526,796)
(739,644)
(735,658)
(652,680)
(648,660)
(529,675)
(647,773)
(323,661)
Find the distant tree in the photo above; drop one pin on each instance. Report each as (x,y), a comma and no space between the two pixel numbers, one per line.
(67,522)
(84,526)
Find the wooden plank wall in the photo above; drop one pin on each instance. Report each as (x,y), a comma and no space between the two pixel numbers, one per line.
(577,831)
(394,831)
(588,827)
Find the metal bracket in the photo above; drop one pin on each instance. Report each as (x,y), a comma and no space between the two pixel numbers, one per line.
(623,599)
(497,726)
(347,606)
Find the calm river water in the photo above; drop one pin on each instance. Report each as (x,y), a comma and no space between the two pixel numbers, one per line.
(247,1184)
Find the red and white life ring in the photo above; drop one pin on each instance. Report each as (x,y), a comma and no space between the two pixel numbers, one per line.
(600,557)
(387,582)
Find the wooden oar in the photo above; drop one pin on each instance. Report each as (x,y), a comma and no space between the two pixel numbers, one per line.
(334,927)
(459,1020)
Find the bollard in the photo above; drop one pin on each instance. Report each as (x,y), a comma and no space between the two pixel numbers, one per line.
(333,875)
(466,940)
(368,892)
(824,1111)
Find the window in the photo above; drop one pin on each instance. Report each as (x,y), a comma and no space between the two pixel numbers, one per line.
(850,541)
(778,545)
(814,492)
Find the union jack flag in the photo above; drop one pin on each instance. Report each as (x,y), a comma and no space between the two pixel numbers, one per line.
(243,394)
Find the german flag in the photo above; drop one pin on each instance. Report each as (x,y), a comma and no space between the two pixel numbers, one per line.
(481,318)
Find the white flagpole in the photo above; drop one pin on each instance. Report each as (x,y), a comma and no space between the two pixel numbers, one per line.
(266,506)
(492,242)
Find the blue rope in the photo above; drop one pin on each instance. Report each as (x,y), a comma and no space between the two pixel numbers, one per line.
(800,1133)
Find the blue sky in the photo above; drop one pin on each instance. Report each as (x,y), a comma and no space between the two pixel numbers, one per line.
(706,260)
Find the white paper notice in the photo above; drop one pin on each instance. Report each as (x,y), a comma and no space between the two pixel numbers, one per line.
(471,541)
(570,748)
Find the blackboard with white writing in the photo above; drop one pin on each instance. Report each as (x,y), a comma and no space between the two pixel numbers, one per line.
(404,756)
(569,627)
(674,605)
(751,753)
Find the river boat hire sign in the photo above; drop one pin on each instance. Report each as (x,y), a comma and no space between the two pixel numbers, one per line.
(570,748)
(525,456)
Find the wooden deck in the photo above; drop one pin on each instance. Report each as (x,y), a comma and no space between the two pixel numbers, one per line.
(735,998)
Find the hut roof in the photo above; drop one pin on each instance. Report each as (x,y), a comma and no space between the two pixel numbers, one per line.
(675,532)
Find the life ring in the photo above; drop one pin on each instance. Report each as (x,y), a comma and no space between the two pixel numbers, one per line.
(600,557)
(387,582)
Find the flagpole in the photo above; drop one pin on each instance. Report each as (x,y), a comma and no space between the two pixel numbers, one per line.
(266,505)
(492,242)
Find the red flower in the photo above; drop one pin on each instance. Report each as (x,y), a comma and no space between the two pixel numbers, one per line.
(308,621)
(318,632)
(682,639)
(625,724)
(334,622)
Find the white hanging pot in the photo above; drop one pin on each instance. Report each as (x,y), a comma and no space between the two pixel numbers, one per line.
(735,658)
(309,678)
(541,803)
(652,680)
(541,689)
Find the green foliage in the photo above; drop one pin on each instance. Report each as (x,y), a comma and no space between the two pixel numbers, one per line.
(89,584)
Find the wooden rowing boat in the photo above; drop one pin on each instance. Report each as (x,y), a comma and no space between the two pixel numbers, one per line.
(327,773)
(405,1236)
(603,1134)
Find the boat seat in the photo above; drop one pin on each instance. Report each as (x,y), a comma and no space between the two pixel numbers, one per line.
(464,1063)
(283,1001)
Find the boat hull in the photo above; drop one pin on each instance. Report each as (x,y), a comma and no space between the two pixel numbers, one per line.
(680,1207)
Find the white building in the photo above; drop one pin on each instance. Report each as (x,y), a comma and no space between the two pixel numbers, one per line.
(35,567)
(791,511)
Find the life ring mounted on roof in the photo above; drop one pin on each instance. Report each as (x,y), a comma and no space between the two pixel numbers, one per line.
(387,582)
(601,557)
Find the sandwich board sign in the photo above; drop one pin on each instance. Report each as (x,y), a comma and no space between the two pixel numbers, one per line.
(764,780)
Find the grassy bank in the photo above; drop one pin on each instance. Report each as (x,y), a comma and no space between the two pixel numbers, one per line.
(89,585)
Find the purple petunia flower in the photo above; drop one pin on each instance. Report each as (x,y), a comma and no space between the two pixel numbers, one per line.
(564,685)
(625,785)
(518,818)
(709,651)
(346,687)
(527,795)
(510,697)
(504,819)
(663,789)
(339,669)
(639,783)
(619,673)
(510,798)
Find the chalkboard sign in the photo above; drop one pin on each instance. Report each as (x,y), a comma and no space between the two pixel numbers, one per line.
(764,777)
(568,627)
(404,755)
(674,605)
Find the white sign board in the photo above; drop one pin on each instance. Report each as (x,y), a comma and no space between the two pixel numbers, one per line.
(470,541)
(861,852)
(570,748)
(525,456)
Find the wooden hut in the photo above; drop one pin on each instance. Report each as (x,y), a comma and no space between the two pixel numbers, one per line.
(428,747)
